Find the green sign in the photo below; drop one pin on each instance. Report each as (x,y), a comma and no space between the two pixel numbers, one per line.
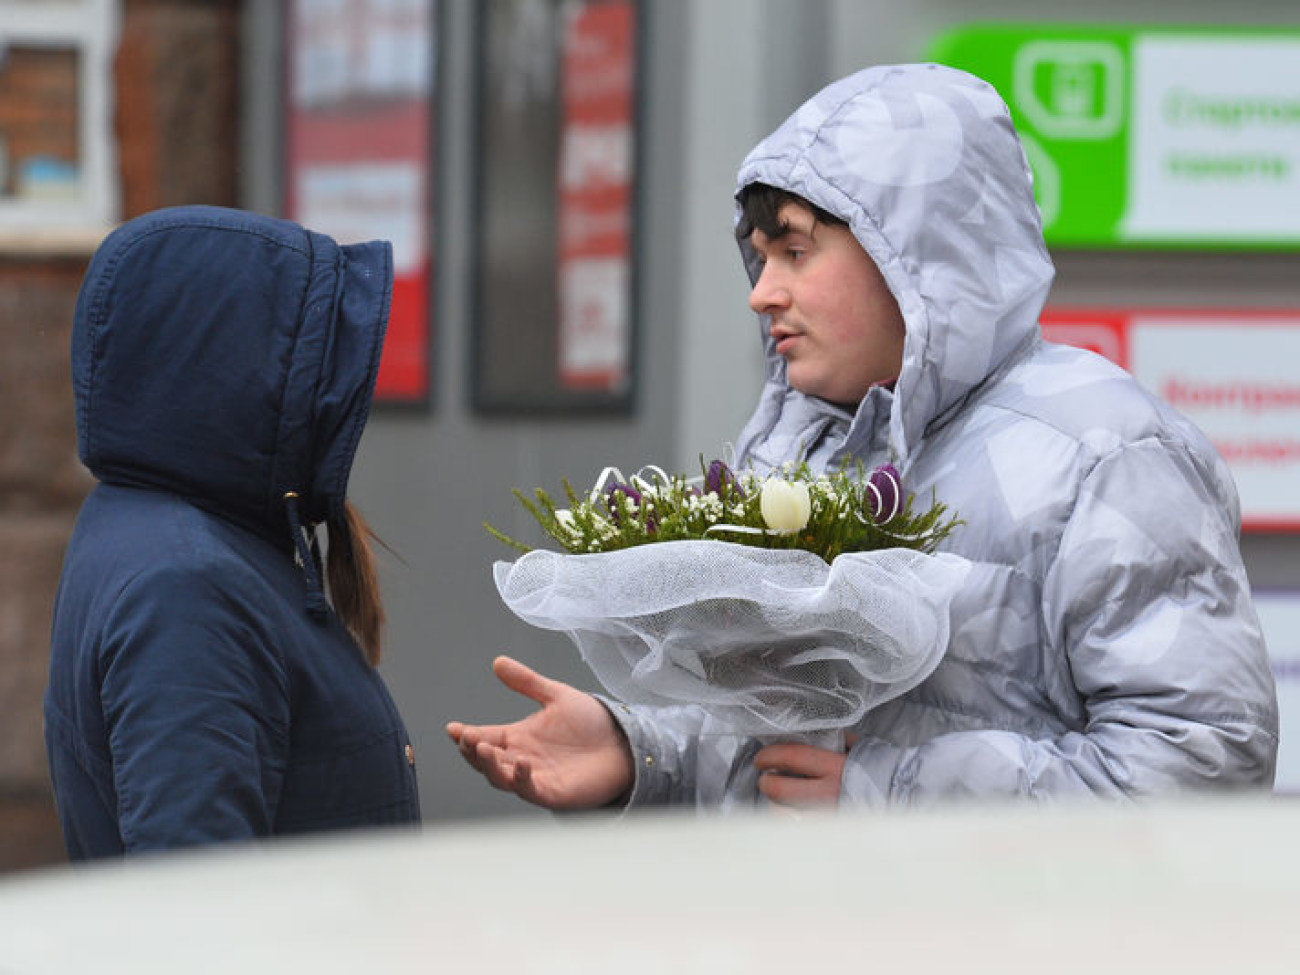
(1150,137)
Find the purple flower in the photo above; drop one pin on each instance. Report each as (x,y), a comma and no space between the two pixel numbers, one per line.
(885,493)
(718,476)
(615,506)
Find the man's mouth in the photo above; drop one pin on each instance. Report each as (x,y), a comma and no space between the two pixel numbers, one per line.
(784,339)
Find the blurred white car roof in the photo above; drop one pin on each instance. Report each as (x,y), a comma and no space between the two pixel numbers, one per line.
(1187,887)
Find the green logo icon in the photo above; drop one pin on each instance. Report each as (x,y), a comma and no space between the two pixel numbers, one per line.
(1070,89)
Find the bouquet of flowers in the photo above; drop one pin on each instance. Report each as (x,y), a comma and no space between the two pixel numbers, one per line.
(827,514)
(789,603)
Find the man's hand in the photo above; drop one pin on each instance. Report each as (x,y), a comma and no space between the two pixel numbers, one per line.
(798,775)
(570,754)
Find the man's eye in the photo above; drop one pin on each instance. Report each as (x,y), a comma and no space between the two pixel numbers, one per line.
(795,253)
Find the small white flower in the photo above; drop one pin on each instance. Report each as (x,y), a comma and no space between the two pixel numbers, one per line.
(785,504)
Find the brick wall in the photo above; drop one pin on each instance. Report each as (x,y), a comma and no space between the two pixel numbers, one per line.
(41,484)
(177,103)
(176,124)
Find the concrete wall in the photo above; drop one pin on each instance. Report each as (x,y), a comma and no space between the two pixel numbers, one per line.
(427,482)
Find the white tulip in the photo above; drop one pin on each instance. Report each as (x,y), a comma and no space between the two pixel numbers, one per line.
(785,504)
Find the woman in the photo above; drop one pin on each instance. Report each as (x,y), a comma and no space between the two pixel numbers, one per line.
(201,688)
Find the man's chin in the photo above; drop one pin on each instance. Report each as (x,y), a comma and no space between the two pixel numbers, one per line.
(799,381)
(810,387)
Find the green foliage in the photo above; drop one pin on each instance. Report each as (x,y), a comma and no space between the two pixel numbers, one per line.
(674,508)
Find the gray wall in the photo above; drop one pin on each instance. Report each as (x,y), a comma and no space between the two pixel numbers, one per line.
(429,481)
(722,73)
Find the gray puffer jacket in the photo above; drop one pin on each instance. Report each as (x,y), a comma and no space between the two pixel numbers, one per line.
(1105,643)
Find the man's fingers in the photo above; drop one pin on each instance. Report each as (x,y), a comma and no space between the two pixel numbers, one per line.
(469,738)
(523,680)
(507,772)
(783,789)
(523,781)
(793,774)
(496,764)
(789,790)
(474,733)
(789,758)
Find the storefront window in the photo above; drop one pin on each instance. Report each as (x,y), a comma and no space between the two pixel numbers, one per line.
(56,148)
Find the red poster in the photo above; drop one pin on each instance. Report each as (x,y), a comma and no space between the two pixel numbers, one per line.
(595,195)
(357,134)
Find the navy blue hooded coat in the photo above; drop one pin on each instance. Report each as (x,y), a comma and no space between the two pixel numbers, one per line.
(200,689)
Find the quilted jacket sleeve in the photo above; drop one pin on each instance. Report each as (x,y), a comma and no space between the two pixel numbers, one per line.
(196,708)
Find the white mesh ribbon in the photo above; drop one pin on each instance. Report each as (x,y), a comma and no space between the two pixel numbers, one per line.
(768,642)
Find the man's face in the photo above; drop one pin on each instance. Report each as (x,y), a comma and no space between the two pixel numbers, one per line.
(834,320)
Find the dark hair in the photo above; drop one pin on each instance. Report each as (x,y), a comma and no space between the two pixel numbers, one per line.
(354,581)
(760,209)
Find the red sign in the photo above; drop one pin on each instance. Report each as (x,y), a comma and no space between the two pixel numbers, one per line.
(595,195)
(357,126)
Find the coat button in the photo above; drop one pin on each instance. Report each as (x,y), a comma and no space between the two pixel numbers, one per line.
(649,760)
(410,756)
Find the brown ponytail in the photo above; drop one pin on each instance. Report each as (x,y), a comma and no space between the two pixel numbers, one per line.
(354,582)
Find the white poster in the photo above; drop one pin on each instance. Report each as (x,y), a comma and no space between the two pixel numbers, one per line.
(593,320)
(1214,139)
(366,201)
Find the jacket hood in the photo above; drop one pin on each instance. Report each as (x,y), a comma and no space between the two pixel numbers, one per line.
(924,165)
(229,358)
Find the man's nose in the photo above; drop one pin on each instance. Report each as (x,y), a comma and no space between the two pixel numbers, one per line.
(769,292)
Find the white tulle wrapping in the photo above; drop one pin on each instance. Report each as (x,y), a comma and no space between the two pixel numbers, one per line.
(769,642)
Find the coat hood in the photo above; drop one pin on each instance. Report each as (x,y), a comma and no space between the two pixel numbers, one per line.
(924,165)
(229,358)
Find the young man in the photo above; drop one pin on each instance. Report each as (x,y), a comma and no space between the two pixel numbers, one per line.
(1104,643)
